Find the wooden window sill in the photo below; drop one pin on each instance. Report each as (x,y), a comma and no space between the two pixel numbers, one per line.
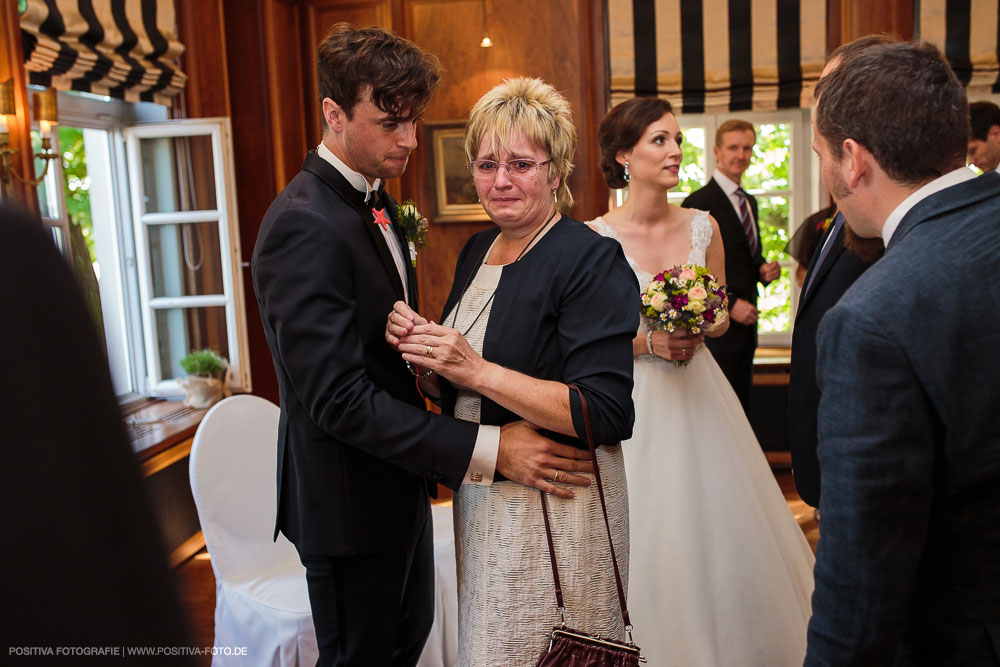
(157,425)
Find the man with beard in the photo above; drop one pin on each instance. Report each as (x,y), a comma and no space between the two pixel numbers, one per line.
(908,564)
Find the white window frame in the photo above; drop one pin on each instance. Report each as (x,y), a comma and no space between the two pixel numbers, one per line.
(224,215)
(802,199)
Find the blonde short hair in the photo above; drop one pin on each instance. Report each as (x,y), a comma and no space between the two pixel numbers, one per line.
(538,111)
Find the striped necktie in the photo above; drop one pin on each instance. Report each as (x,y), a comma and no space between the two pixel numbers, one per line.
(746,219)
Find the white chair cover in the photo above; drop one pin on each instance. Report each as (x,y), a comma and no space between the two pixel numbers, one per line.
(262,613)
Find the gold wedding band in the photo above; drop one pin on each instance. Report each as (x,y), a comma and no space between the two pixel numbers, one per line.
(555,477)
(429,352)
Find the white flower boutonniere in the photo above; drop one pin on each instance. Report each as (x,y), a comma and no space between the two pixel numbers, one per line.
(414,226)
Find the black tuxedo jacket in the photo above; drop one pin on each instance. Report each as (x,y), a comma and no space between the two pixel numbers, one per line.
(829,281)
(356,448)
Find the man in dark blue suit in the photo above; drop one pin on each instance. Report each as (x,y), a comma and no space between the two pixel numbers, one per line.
(908,564)
(358,454)
(831,270)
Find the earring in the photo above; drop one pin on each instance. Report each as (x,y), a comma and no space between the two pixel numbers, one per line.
(627,177)
(555,195)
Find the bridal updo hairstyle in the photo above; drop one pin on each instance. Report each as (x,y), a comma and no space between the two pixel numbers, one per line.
(538,111)
(621,129)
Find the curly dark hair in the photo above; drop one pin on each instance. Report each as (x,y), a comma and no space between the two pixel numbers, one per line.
(904,104)
(622,128)
(400,75)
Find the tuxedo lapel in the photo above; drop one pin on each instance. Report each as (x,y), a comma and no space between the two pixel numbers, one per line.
(836,250)
(326,171)
(411,273)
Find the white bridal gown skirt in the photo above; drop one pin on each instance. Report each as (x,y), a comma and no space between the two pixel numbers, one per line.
(506,596)
(720,572)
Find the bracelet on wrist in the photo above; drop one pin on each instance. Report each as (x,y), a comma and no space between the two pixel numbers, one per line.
(415,373)
(649,343)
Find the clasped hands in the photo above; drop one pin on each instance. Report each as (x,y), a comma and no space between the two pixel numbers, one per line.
(524,456)
(435,347)
(677,345)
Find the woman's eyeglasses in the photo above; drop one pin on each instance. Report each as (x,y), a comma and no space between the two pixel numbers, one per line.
(520,168)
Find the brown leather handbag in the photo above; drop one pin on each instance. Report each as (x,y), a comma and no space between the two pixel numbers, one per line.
(575,648)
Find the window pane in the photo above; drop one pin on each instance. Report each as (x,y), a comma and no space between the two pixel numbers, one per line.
(181,330)
(768,169)
(774,305)
(185,259)
(177,174)
(692,174)
(775,302)
(772,213)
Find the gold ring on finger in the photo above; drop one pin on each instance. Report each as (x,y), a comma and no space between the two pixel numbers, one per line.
(429,352)
(555,477)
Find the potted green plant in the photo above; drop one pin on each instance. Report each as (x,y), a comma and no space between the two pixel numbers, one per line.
(207,381)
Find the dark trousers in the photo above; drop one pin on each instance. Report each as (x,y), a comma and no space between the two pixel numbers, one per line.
(734,351)
(373,609)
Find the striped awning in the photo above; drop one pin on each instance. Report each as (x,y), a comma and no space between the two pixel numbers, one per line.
(968,31)
(717,55)
(120,48)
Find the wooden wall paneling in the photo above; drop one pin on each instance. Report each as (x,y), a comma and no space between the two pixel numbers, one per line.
(286,73)
(201,28)
(319,16)
(254,152)
(858,18)
(553,41)
(19,126)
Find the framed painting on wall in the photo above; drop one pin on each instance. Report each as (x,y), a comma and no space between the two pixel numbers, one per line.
(455,196)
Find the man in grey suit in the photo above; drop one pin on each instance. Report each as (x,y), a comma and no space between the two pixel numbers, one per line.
(908,565)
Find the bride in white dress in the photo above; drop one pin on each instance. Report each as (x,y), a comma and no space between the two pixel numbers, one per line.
(720,572)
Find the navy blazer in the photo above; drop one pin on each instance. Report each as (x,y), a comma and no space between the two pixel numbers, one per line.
(908,565)
(356,447)
(567,311)
(829,281)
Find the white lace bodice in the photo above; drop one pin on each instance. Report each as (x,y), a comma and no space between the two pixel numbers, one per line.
(701,237)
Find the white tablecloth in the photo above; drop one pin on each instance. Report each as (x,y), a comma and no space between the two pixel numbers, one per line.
(441,649)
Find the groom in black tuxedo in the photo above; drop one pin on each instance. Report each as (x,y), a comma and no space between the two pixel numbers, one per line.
(358,455)
(908,563)
(736,212)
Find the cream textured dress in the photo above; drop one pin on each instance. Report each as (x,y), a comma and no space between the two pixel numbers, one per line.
(506,598)
(721,574)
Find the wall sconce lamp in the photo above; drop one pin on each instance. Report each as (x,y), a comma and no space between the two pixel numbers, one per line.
(45,112)
(487,42)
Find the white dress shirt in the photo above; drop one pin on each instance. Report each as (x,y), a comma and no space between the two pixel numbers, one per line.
(730,187)
(955,177)
(484,455)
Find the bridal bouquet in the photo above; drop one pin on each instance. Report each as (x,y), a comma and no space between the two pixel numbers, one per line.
(686,297)
(414,226)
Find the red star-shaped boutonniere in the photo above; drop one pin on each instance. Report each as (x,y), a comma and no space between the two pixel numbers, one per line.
(381,218)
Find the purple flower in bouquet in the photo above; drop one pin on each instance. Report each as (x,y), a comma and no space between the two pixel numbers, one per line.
(686,297)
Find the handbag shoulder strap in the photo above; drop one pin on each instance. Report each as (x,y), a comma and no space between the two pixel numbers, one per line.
(604,510)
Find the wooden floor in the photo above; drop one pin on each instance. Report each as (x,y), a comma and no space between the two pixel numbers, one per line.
(197,583)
